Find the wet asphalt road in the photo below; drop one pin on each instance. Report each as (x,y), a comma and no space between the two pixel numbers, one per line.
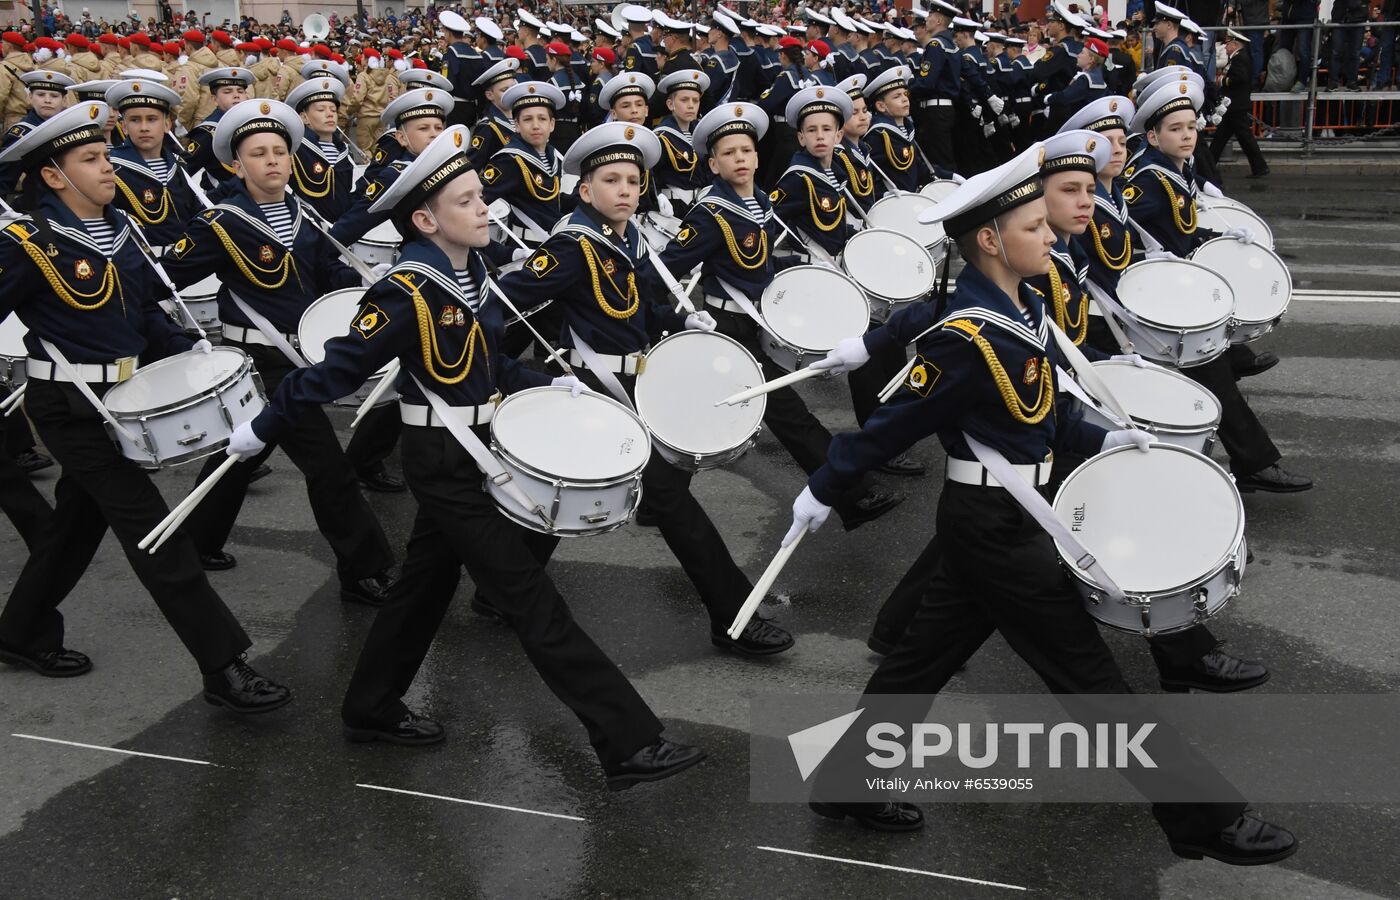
(283,810)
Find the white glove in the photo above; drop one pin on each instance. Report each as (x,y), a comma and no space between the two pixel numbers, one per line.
(808,514)
(958,179)
(848,355)
(244,442)
(520,253)
(1161,254)
(1243,235)
(996,103)
(1128,436)
(1200,123)
(663,203)
(977,111)
(989,129)
(379,270)
(203,346)
(1014,120)
(1130,357)
(1210,190)
(700,321)
(1216,117)
(576,387)
(1224,104)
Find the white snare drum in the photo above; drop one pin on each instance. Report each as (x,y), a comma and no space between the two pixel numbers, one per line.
(1224,216)
(1174,408)
(1260,280)
(677,398)
(939,189)
(1178,311)
(13,352)
(202,298)
(807,310)
(892,267)
(357,173)
(900,212)
(379,245)
(330,317)
(580,459)
(185,407)
(568,184)
(1178,562)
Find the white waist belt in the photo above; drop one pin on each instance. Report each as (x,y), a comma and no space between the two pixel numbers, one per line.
(966,471)
(91,373)
(939,101)
(423,416)
(631,364)
(253,336)
(680,193)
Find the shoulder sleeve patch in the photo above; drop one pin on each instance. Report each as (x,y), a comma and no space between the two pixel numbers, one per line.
(966,328)
(923,377)
(542,263)
(490,174)
(631,62)
(925,68)
(1131,194)
(17,131)
(777,195)
(181,247)
(686,235)
(476,142)
(379,155)
(372,188)
(192,147)
(18,231)
(370,321)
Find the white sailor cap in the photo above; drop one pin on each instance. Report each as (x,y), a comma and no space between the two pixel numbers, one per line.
(989,194)
(489,28)
(812,15)
(1013,41)
(1163,11)
(627,84)
(636,15)
(721,8)
(854,86)
(1172,97)
(1148,78)
(1233,35)
(137,92)
(576,36)
(533,93)
(862,25)
(454,22)
(1186,77)
(256,116)
(425,78)
(818,99)
(684,80)
(771,31)
(1099,33)
(1191,26)
(314,89)
(227,76)
(144,74)
(47,80)
(525,17)
(556,28)
(841,20)
(947,10)
(1103,114)
(891,79)
(607,29)
(77,125)
(995,37)
(668,23)
(1118,34)
(727,119)
(417,104)
(720,20)
(1076,150)
(93,90)
(325,67)
(441,162)
(506,70)
(797,29)
(907,34)
(1067,13)
(610,143)
(961,24)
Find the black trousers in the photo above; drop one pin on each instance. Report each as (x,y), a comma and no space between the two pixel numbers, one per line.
(98,489)
(341,511)
(20,500)
(935,126)
(457,525)
(995,569)
(867,381)
(374,438)
(1235,124)
(18,438)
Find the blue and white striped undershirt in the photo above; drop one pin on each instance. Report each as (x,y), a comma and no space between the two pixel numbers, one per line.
(464,281)
(101,231)
(751,204)
(279,216)
(158,166)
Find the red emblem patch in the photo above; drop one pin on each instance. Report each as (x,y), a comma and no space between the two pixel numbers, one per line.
(1032,374)
(265,254)
(82,269)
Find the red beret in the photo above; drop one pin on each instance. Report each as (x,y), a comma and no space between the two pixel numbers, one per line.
(13,37)
(321,50)
(222,37)
(125,43)
(788,40)
(140,38)
(77,40)
(1097,46)
(821,48)
(515,51)
(558,48)
(47,43)
(304,51)
(108,38)
(419,64)
(393,53)
(371,53)
(263,43)
(247,47)
(287,44)
(194,36)
(171,47)
(336,57)
(605,56)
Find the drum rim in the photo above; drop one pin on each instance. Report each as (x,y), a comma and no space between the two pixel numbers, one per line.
(1253,216)
(244,369)
(551,477)
(1224,320)
(1165,426)
(1287,274)
(933,264)
(1231,555)
(691,454)
(787,342)
(301,323)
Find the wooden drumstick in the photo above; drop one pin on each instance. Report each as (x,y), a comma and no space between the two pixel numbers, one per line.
(770,574)
(506,228)
(172,521)
(391,374)
(770,386)
(12,402)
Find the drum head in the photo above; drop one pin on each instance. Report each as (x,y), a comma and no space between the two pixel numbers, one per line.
(889,264)
(1225,217)
(938,190)
(327,318)
(204,289)
(1154,395)
(585,438)
(1157,521)
(812,308)
(686,375)
(384,233)
(900,212)
(1175,293)
(174,379)
(12,332)
(1258,277)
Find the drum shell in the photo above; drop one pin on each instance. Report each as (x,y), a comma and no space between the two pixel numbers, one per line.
(786,354)
(1178,346)
(1244,329)
(1199,438)
(195,427)
(312,347)
(13,371)
(202,299)
(13,355)
(373,252)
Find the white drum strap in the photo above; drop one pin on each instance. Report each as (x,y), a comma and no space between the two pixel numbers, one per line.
(1089,379)
(682,297)
(1032,502)
(66,367)
(268,331)
(1151,243)
(530,225)
(486,461)
(1112,311)
(597,367)
(742,301)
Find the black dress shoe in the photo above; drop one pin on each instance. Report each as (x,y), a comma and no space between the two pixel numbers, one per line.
(1263,362)
(1262,173)
(759,638)
(32,460)
(239,688)
(58,663)
(655,761)
(259,473)
(888,816)
(1273,480)
(868,508)
(217,561)
(382,482)
(371,591)
(410,731)
(904,465)
(1245,842)
(1217,672)
(879,645)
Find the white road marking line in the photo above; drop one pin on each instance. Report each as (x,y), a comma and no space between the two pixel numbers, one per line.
(35,737)
(533,812)
(875,865)
(1326,296)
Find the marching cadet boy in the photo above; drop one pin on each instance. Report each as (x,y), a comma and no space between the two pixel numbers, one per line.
(626,96)
(729,234)
(273,264)
(496,127)
(563,76)
(322,173)
(679,177)
(150,185)
(387,146)
(1087,85)
(891,134)
(74,274)
(433,313)
(229,87)
(1107,244)
(780,143)
(525,172)
(997,569)
(614,306)
(852,153)
(47,94)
